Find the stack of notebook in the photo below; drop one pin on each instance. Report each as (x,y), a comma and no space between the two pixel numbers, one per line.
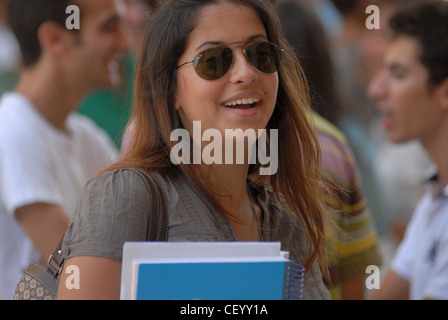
(209,271)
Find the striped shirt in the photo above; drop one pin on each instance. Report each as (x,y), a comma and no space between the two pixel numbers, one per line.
(352,239)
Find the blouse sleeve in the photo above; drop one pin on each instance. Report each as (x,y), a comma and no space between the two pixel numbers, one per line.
(113,209)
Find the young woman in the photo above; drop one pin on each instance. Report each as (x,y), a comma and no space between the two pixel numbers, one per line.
(223,64)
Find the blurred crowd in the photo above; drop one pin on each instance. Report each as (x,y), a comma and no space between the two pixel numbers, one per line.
(391,174)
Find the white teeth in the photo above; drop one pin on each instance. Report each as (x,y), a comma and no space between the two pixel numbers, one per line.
(242,101)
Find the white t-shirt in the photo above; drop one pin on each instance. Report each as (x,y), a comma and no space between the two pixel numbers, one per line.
(422,257)
(40,164)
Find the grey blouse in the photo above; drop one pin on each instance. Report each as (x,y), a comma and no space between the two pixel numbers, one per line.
(113,209)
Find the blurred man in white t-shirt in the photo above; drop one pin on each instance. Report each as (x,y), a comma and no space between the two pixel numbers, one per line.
(411,90)
(47,153)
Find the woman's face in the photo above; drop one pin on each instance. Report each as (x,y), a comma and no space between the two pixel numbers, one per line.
(216,102)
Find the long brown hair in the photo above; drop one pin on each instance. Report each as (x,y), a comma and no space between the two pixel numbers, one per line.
(298,179)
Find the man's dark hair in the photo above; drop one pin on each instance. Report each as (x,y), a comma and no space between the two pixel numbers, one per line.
(25,18)
(428,24)
(345,6)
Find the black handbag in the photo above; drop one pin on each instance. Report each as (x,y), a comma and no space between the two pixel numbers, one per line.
(41,282)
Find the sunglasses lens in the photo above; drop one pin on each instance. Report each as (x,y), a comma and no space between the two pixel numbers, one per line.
(213,63)
(264,56)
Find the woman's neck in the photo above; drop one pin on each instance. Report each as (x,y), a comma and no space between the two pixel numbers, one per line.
(230,183)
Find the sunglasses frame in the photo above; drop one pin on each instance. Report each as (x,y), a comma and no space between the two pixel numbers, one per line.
(195,61)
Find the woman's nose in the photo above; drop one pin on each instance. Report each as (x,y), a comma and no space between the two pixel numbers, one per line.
(242,71)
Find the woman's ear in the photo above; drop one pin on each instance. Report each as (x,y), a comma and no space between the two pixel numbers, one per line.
(177,104)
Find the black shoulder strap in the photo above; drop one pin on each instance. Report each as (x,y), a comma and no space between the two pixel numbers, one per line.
(158,219)
(157,225)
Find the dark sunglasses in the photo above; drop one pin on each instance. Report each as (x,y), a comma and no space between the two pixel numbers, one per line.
(213,63)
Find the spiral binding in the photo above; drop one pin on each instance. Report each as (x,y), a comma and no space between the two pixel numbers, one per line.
(295,275)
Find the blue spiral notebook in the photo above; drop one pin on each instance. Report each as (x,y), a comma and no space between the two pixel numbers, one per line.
(209,271)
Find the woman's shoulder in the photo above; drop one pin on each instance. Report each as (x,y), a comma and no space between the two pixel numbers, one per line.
(125,179)
(120,188)
(131,183)
(113,208)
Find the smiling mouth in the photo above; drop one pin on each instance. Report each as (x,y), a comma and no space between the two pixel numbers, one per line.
(242,103)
